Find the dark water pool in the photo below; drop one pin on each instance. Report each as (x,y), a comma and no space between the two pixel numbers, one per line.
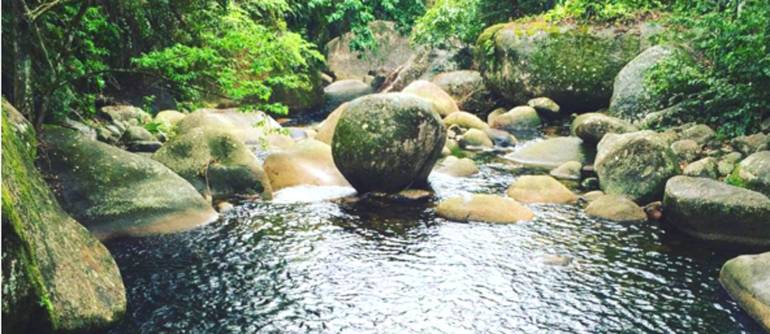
(363,268)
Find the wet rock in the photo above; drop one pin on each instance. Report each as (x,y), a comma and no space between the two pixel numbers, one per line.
(215,162)
(550,153)
(591,127)
(575,65)
(545,107)
(635,164)
(468,89)
(495,113)
(617,208)
(592,195)
(343,91)
(457,167)
(326,130)
(393,50)
(500,137)
(706,167)
(716,211)
(465,120)
(388,142)
(476,138)
(631,99)
(309,162)
(746,280)
(750,144)
(52,267)
(570,170)
(484,208)
(445,104)
(753,173)
(116,193)
(540,189)
(517,119)
(686,149)
(409,196)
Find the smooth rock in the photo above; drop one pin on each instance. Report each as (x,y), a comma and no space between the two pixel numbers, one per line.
(343,91)
(251,128)
(686,149)
(468,89)
(484,208)
(550,153)
(706,167)
(392,51)
(700,133)
(126,114)
(137,133)
(169,118)
(326,130)
(517,119)
(457,167)
(500,137)
(540,189)
(545,107)
(631,98)
(309,162)
(591,127)
(570,170)
(445,104)
(616,208)
(716,211)
(465,120)
(476,138)
(747,279)
(753,173)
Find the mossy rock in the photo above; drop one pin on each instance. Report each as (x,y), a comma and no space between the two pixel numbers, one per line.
(574,65)
(635,164)
(388,142)
(116,193)
(753,173)
(591,127)
(631,98)
(300,99)
(215,162)
(468,89)
(252,128)
(56,276)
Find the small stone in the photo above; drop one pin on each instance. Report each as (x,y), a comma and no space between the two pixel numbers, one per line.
(137,133)
(591,127)
(495,113)
(654,210)
(700,133)
(570,170)
(686,149)
(545,106)
(224,206)
(465,120)
(485,208)
(751,144)
(592,195)
(476,138)
(590,183)
(726,165)
(519,118)
(457,167)
(616,208)
(706,167)
(540,189)
(500,137)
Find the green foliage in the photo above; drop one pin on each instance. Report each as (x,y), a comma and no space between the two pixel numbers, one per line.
(604,11)
(464,20)
(726,83)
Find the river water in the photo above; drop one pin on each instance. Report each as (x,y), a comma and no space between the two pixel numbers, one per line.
(289,266)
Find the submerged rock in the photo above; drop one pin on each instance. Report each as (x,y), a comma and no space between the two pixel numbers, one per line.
(445,104)
(484,208)
(616,208)
(747,279)
(574,65)
(540,189)
(343,91)
(468,89)
(635,164)
(309,162)
(550,153)
(388,142)
(457,167)
(753,173)
(591,127)
(715,211)
(216,162)
(56,276)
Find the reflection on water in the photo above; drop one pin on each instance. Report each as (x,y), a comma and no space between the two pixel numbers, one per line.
(353,268)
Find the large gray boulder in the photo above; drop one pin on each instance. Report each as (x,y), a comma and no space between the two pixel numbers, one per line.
(747,279)
(753,173)
(56,278)
(591,127)
(550,153)
(716,211)
(116,193)
(631,99)
(388,142)
(468,89)
(392,50)
(575,65)
(635,164)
